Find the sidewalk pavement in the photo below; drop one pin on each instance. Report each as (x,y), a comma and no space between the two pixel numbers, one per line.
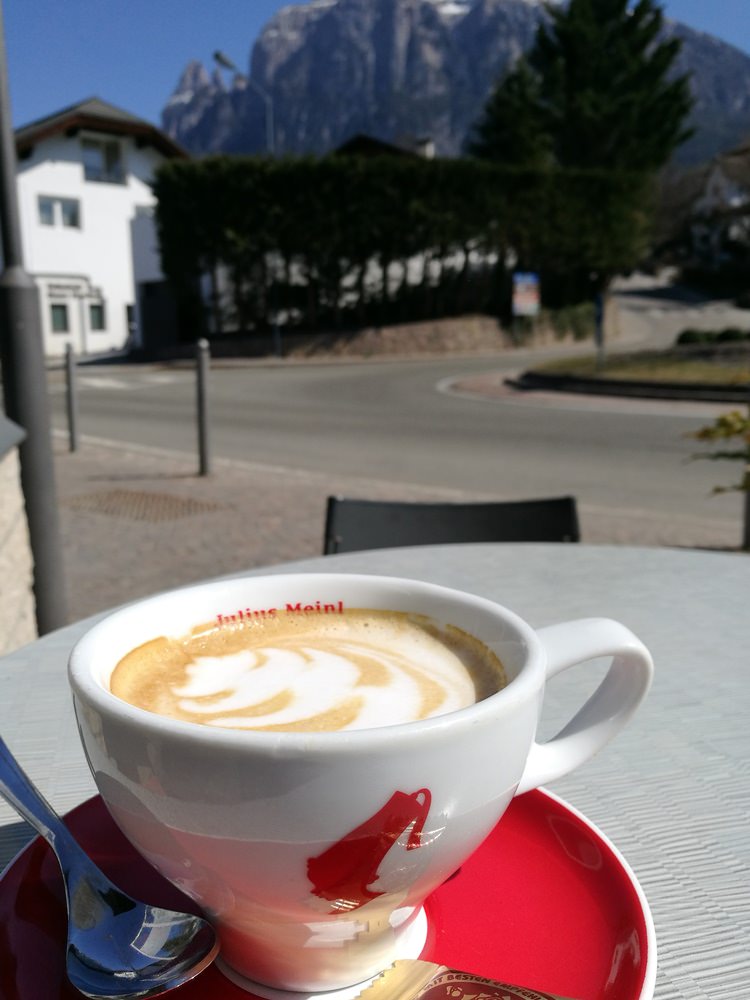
(137,520)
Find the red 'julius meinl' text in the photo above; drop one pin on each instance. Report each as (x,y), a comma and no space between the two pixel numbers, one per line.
(251,614)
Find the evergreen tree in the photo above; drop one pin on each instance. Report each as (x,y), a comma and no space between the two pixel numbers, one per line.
(596,91)
(511,129)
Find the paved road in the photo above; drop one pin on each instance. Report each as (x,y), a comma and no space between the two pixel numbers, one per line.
(137,519)
(399,422)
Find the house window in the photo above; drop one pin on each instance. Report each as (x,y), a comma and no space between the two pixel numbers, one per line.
(46,211)
(97,316)
(59,312)
(59,212)
(102,161)
(70,212)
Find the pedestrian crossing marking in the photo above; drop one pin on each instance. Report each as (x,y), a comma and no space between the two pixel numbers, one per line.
(124,383)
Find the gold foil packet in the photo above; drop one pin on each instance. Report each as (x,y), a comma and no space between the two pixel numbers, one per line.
(417,980)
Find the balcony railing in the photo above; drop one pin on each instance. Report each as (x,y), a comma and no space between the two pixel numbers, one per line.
(105,175)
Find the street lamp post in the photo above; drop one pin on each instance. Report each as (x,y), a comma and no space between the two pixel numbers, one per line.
(223,60)
(25,383)
(227,63)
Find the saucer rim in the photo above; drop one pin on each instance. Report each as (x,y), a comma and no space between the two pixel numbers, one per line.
(649,978)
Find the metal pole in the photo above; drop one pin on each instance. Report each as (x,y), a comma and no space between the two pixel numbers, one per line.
(226,62)
(25,384)
(599,330)
(746,498)
(268,111)
(278,346)
(71,392)
(203,358)
(215,299)
(270,134)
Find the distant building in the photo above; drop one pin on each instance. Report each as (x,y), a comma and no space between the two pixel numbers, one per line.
(721,212)
(86,206)
(368,145)
(726,183)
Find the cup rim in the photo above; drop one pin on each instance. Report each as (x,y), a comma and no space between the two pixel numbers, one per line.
(85,687)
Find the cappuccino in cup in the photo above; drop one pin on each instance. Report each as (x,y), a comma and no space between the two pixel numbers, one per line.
(297,671)
(313,851)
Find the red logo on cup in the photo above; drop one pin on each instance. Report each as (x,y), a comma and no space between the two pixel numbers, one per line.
(344,872)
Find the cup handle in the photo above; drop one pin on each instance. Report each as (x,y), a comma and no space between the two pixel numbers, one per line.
(608,709)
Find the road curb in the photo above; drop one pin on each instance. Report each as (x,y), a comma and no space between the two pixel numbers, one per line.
(696,391)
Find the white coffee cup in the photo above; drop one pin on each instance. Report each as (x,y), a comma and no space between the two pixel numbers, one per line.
(313,852)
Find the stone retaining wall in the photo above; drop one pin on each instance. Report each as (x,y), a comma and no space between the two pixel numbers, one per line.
(17,610)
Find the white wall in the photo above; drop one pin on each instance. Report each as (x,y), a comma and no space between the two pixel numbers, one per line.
(73,265)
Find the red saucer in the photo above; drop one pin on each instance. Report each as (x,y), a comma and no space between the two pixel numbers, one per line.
(547,901)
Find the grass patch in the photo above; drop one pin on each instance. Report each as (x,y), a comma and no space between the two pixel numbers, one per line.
(655,367)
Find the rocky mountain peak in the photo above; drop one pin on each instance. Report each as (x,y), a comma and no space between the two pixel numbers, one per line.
(388,68)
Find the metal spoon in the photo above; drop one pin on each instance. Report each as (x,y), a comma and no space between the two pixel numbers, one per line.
(117,947)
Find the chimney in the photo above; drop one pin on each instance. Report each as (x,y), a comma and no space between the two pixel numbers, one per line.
(425,147)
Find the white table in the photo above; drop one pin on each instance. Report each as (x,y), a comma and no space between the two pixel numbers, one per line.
(672,791)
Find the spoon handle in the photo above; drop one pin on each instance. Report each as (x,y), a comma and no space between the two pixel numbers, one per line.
(19,791)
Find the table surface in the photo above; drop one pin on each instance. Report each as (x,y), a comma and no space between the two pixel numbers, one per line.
(671,791)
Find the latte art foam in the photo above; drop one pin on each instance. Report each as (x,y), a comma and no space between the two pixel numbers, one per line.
(294,672)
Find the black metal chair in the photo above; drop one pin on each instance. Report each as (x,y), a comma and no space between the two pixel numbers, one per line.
(352,525)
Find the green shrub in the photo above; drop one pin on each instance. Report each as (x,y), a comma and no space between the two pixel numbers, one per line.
(691,336)
(577,320)
(732,335)
(729,335)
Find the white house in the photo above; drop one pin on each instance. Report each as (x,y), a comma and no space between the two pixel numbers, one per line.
(722,224)
(86,207)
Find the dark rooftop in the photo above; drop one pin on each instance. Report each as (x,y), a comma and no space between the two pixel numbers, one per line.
(96,115)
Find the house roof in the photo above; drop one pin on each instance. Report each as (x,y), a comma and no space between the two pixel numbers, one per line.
(369,145)
(96,115)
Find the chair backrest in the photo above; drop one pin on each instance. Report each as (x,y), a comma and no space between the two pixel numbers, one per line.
(352,525)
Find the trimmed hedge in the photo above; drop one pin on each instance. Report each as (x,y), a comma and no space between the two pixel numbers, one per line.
(311,239)
(729,335)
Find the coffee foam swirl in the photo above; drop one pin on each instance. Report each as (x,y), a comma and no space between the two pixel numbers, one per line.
(360,670)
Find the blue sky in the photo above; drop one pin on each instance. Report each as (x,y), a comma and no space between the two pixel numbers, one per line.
(131,52)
